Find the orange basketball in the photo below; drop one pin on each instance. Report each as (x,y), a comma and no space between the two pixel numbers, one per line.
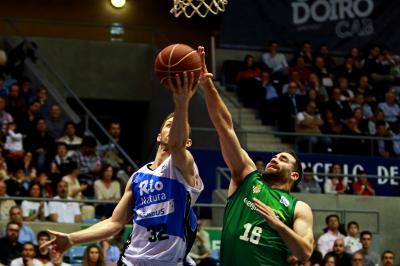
(175,59)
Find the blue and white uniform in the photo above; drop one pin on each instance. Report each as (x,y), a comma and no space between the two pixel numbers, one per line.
(163,217)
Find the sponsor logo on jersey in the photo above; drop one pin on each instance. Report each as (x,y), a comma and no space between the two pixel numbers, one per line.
(249,204)
(284,201)
(256,188)
(155,210)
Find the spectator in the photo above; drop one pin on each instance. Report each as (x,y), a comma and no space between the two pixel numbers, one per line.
(308,184)
(378,116)
(72,140)
(269,100)
(302,69)
(34,210)
(348,70)
(64,212)
(111,253)
(201,250)
(62,160)
(10,247)
(41,144)
(382,147)
(27,256)
(340,109)
(42,97)
(106,189)
(56,259)
(5,117)
(330,260)
(13,144)
(355,54)
(43,254)
(336,183)
(346,93)
(45,185)
(118,240)
(362,186)
(75,188)
(358,145)
(26,121)
(357,259)
(326,240)
(360,103)
(366,90)
(27,91)
(315,84)
(361,121)
(306,53)
(371,258)
(331,124)
(351,241)
(25,233)
(323,52)
(390,108)
(275,61)
(3,168)
(18,184)
(5,204)
(247,80)
(55,122)
(110,153)
(29,168)
(93,256)
(88,158)
(15,104)
(342,258)
(387,258)
(260,164)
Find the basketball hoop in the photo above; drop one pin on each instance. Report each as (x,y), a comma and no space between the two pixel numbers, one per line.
(199,7)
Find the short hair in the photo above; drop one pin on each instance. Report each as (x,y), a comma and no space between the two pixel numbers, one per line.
(28,243)
(61,143)
(330,216)
(42,234)
(366,232)
(12,222)
(386,252)
(168,117)
(103,168)
(297,167)
(351,223)
(13,208)
(66,124)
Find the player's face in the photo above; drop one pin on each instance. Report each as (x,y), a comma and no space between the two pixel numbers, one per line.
(163,136)
(280,166)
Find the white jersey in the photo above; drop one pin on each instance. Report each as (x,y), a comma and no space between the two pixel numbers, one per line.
(163,216)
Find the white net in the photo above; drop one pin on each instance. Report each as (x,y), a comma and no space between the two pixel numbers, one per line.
(199,7)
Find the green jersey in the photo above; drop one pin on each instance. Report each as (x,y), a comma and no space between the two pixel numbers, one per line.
(247,238)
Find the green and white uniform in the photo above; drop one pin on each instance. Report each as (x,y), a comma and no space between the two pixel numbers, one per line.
(247,238)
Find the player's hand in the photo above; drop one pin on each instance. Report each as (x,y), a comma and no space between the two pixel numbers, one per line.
(60,243)
(268,214)
(205,76)
(185,87)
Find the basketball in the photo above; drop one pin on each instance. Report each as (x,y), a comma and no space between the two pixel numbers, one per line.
(175,59)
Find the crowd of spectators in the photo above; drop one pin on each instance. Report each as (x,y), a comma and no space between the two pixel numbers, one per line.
(315,93)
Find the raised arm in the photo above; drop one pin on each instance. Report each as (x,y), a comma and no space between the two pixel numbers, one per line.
(104,229)
(179,133)
(235,157)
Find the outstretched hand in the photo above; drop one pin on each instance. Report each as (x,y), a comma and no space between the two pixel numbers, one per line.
(205,76)
(183,90)
(61,241)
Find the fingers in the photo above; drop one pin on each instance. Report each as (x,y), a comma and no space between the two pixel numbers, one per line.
(48,243)
(54,233)
(185,80)
(191,82)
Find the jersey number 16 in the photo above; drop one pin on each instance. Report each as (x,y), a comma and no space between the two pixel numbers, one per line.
(255,234)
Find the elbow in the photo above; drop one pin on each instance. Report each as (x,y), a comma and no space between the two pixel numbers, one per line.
(305,253)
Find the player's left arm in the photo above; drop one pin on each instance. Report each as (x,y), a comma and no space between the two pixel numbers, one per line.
(179,133)
(300,239)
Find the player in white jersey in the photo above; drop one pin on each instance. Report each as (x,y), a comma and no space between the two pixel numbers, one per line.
(159,196)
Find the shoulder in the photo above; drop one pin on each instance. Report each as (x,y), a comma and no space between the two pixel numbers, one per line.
(302,207)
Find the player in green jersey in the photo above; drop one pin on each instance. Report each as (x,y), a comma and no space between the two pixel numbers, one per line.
(263,223)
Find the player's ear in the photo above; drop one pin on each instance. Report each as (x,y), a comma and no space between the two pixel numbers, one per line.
(188,143)
(294,176)
(159,137)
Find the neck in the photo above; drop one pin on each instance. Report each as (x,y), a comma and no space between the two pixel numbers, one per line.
(161,156)
(279,184)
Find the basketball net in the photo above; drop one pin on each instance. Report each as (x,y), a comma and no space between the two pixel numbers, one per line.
(199,7)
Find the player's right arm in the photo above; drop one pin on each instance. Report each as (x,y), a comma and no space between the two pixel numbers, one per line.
(235,157)
(104,229)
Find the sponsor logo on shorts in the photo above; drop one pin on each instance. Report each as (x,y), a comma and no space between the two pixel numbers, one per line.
(155,210)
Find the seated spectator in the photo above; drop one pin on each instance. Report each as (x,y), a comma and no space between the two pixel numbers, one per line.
(301,87)
(56,259)
(306,53)
(15,103)
(260,165)
(346,93)
(357,259)
(93,256)
(371,258)
(27,91)
(351,241)
(322,72)
(34,210)
(326,240)
(382,147)
(64,212)
(336,183)
(45,185)
(75,188)
(383,66)
(301,68)
(41,144)
(55,122)
(25,233)
(378,116)
(269,100)
(27,256)
(247,80)
(72,140)
(29,168)
(42,97)
(275,61)
(362,186)
(349,71)
(11,248)
(387,258)
(331,125)
(111,253)
(106,189)
(18,184)
(5,117)
(340,109)
(5,204)
(3,167)
(13,145)
(396,140)
(366,90)
(314,84)
(390,108)
(62,160)
(323,52)
(358,145)
(27,120)
(109,152)
(355,54)
(43,253)
(361,121)
(339,252)
(308,184)
(360,103)
(329,260)
(201,249)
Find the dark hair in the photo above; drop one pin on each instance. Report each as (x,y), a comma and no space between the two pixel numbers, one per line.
(256,159)
(88,141)
(35,184)
(34,101)
(43,233)
(327,256)
(103,168)
(297,168)
(67,123)
(61,143)
(351,223)
(85,261)
(12,222)
(380,123)
(71,166)
(28,243)
(366,232)
(386,252)
(330,216)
